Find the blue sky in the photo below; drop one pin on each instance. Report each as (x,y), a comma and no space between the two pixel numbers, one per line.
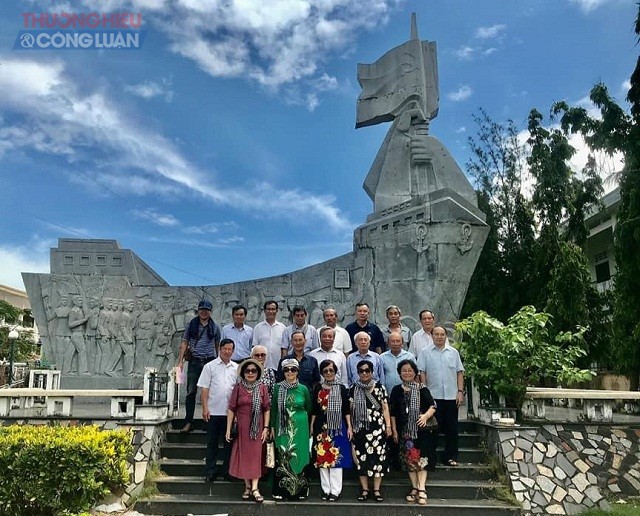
(224,149)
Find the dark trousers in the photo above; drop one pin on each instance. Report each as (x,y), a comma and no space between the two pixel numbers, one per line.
(216,429)
(193,374)
(447,417)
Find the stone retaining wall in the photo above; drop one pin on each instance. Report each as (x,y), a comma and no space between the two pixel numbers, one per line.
(567,468)
(146,439)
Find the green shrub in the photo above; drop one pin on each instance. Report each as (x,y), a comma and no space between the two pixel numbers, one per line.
(52,470)
(504,359)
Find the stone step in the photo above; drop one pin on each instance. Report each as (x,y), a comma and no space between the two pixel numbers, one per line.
(182,505)
(464,425)
(465,439)
(197,451)
(473,472)
(395,488)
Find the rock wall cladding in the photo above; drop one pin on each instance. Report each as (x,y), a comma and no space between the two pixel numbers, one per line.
(565,469)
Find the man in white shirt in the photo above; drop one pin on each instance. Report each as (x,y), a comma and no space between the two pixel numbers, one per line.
(240,333)
(327,351)
(341,341)
(422,338)
(268,333)
(442,371)
(300,324)
(216,381)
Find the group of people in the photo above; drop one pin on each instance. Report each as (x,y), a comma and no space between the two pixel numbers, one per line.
(324,398)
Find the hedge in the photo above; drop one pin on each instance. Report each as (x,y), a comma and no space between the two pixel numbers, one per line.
(48,470)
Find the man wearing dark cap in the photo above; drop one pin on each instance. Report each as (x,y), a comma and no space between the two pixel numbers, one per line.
(199,347)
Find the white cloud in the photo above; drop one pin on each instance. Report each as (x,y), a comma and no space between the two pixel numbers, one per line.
(232,240)
(211,227)
(17,259)
(463,93)
(151,89)
(165,220)
(589,5)
(461,129)
(491,32)
(625,87)
(89,130)
(274,43)
(489,51)
(464,52)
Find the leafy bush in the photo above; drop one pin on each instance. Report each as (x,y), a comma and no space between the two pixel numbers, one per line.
(505,360)
(56,470)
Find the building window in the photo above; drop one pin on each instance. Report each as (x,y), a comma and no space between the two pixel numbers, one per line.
(101,260)
(601,257)
(68,260)
(84,260)
(117,261)
(603,272)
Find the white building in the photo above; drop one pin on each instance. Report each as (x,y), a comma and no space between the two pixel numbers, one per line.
(601,223)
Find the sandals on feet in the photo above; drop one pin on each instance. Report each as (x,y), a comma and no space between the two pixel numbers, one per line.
(257,496)
(422,497)
(412,495)
(377,496)
(452,463)
(247,493)
(364,495)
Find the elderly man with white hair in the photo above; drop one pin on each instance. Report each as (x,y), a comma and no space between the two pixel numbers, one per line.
(260,354)
(363,342)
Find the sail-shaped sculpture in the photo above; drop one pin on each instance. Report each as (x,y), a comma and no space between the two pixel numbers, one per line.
(102,311)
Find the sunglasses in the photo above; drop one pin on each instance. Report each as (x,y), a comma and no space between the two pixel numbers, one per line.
(251,371)
(365,370)
(327,370)
(259,354)
(289,369)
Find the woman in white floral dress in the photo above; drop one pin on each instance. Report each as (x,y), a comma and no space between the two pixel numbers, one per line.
(371,424)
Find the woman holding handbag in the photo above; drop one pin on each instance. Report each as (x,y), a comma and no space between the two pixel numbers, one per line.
(413,426)
(250,406)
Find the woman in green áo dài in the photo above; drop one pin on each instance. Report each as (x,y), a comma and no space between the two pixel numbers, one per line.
(290,408)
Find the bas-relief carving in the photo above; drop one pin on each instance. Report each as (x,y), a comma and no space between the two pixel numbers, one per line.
(418,249)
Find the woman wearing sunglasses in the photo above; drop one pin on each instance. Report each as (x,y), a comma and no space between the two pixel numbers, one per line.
(290,408)
(331,431)
(259,354)
(371,427)
(250,405)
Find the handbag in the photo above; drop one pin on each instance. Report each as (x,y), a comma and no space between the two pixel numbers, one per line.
(233,433)
(270,457)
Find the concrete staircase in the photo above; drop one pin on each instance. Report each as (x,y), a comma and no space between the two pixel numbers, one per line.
(468,489)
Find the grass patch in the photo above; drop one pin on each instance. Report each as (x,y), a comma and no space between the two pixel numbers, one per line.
(628,507)
(150,488)
(502,492)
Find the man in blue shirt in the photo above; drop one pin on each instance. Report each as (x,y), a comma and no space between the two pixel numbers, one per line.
(240,333)
(201,337)
(391,358)
(363,341)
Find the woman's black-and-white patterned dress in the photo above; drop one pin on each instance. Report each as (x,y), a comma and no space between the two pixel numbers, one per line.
(369,445)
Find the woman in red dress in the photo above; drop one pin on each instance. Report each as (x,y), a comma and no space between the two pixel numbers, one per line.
(250,405)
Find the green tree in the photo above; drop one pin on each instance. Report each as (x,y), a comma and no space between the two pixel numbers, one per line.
(501,281)
(8,312)
(23,346)
(618,131)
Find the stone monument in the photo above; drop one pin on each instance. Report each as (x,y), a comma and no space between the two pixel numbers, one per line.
(104,315)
